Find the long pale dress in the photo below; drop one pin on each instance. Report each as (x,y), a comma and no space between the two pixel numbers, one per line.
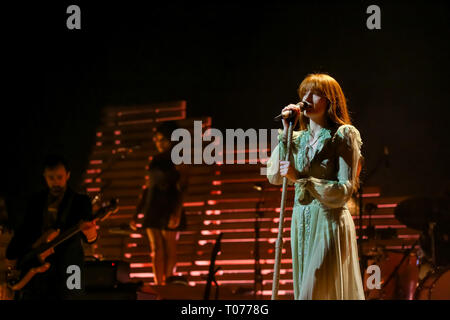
(323,239)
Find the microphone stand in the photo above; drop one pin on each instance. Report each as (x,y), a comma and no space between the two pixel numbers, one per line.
(397,268)
(258,274)
(363,264)
(279,242)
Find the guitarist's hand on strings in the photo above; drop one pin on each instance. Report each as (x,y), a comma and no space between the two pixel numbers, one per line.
(90,230)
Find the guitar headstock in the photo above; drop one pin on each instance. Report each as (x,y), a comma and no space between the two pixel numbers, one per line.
(97,201)
(105,209)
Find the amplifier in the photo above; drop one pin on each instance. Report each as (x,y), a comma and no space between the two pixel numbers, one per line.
(106,274)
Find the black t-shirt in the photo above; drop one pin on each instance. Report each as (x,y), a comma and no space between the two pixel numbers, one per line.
(163,196)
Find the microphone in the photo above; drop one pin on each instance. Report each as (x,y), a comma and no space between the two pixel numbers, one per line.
(289,113)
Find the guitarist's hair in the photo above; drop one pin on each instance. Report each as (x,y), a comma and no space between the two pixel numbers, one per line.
(54,160)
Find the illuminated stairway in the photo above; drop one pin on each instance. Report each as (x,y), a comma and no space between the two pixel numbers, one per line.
(221,198)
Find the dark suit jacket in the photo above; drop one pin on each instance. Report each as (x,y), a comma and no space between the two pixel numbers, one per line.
(52,284)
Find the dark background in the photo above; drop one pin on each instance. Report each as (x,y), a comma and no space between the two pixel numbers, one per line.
(239,64)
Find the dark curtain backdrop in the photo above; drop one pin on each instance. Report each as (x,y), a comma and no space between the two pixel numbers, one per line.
(239,64)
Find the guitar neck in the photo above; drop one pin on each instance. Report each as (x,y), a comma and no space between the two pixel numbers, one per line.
(101,214)
(72,231)
(43,247)
(67,234)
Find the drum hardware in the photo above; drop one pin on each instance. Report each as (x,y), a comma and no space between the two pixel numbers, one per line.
(370,231)
(435,286)
(370,207)
(395,272)
(399,274)
(431,226)
(430,215)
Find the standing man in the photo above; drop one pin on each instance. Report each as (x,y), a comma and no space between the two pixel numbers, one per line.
(49,213)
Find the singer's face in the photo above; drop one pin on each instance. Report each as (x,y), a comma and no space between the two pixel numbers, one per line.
(318,103)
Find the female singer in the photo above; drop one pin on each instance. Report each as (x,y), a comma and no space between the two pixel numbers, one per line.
(324,166)
(162,205)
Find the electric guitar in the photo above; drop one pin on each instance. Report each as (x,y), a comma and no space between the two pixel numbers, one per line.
(33,262)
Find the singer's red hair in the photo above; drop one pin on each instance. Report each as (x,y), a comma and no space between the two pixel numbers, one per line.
(327,87)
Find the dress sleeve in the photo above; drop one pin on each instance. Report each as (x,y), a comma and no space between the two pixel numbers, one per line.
(335,194)
(279,153)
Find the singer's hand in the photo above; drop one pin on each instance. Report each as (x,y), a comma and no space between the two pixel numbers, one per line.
(288,171)
(296,109)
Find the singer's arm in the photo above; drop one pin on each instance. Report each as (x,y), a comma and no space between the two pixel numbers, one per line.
(279,154)
(155,177)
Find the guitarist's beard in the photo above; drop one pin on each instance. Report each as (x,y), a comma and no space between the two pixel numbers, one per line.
(57,191)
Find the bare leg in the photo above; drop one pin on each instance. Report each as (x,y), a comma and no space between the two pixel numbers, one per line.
(170,238)
(158,254)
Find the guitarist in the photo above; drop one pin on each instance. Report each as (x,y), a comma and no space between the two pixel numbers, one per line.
(48,213)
